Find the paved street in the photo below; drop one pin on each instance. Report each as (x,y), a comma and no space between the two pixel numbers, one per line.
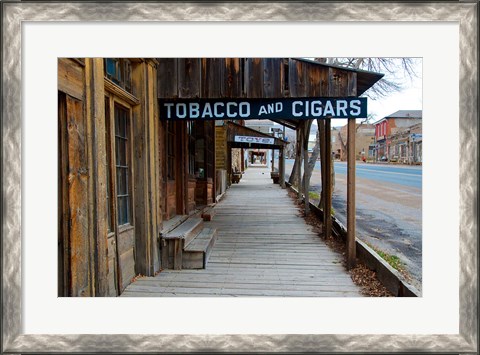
(389,208)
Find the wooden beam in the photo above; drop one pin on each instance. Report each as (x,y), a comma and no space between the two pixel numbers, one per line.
(327,210)
(321,134)
(229,164)
(281,162)
(351,252)
(306,181)
(299,154)
(96,131)
(273,159)
(282,170)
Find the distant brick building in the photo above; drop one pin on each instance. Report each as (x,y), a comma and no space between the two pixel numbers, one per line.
(392,140)
(406,145)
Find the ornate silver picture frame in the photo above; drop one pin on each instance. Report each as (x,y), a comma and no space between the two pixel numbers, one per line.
(15,13)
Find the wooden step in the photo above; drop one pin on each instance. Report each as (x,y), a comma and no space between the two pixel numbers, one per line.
(172,223)
(186,231)
(208,214)
(197,252)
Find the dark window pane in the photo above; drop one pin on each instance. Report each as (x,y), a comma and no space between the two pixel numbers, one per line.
(110,67)
(122,210)
(121,182)
(119,70)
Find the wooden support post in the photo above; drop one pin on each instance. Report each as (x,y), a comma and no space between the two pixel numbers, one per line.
(177,254)
(229,164)
(351,251)
(273,159)
(281,163)
(321,133)
(282,159)
(299,153)
(242,157)
(305,179)
(327,209)
(97,164)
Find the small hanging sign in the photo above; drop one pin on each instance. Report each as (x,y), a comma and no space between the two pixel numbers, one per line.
(258,140)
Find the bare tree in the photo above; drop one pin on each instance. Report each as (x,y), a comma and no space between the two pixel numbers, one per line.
(390,66)
(389,84)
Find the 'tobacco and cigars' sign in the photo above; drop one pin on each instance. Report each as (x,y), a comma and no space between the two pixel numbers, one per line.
(245,109)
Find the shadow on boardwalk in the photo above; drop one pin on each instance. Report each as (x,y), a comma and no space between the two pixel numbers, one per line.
(263,248)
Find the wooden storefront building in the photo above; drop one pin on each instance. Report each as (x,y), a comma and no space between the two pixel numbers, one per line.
(128,174)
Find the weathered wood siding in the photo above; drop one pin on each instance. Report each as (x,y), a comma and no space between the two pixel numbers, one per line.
(233,78)
(92,262)
(191,194)
(297,78)
(78,199)
(189,73)
(95,112)
(250,77)
(221,147)
(74,222)
(204,192)
(71,78)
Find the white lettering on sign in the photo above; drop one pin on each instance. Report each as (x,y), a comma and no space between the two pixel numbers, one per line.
(298,108)
(244,109)
(275,107)
(194,110)
(249,139)
(215,109)
(342,108)
(229,109)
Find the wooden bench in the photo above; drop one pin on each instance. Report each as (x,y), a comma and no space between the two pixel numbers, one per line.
(197,252)
(188,245)
(175,240)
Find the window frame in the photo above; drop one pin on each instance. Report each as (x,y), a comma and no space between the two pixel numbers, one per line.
(128,164)
(115,102)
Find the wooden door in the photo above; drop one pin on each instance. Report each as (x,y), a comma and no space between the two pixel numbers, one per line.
(112,276)
(121,229)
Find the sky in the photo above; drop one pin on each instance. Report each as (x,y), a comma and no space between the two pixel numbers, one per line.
(410,98)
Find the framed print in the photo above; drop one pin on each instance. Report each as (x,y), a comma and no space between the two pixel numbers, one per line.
(35,35)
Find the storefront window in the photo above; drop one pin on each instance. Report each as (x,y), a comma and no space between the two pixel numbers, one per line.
(122,152)
(119,70)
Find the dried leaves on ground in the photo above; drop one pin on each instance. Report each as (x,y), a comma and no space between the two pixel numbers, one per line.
(360,274)
(367,280)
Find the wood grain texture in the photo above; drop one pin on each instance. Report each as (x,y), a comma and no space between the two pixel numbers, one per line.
(168,77)
(189,72)
(71,78)
(78,200)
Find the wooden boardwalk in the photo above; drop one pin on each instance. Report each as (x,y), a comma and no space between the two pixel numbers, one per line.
(264,248)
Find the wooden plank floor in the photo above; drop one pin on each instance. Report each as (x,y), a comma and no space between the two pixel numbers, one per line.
(263,248)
